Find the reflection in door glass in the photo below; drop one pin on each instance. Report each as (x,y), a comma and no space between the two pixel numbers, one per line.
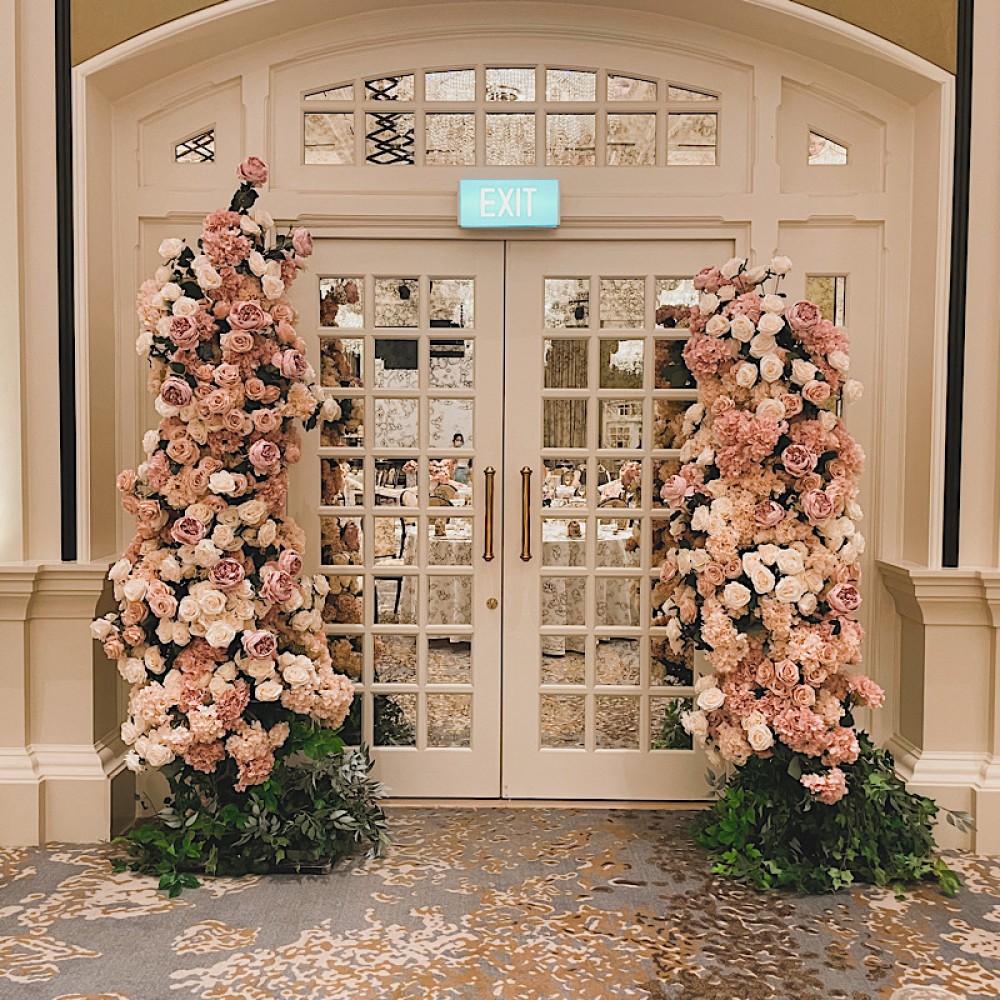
(617,661)
(617,722)
(665,729)
(395,659)
(342,482)
(450,423)
(566,363)
(341,302)
(341,362)
(449,660)
(397,302)
(452,303)
(452,364)
(396,363)
(449,720)
(621,423)
(621,364)
(396,423)
(395,720)
(565,482)
(563,720)
(565,423)
(567,302)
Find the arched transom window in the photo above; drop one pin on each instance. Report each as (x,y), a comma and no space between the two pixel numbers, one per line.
(511,116)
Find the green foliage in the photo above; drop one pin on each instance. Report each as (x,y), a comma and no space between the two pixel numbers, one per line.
(672,734)
(318,804)
(766,829)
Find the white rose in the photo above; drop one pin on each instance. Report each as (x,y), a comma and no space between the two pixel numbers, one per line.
(694,413)
(746,375)
(171,248)
(772,304)
(722,506)
(149,441)
(755,275)
(153,658)
(755,718)
(218,685)
(274,288)
(227,671)
(708,303)
(807,604)
(258,669)
(781,265)
(129,732)
(700,558)
(209,278)
(736,596)
(699,519)
(839,360)
(273,269)
(163,274)
(853,390)
(769,553)
(732,267)
(827,420)
(252,511)
(770,409)
(230,516)
(321,585)
(760,738)
(673,629)
(751,561)
(261,217)
(296,674)
(790,562)
(223,536)
(704,682)
(695,723)
(185,306)
(268,691)
(802,371)
(101,629)
(710,699)
(120,571)
(248,226)
(267,533)
(742,328)
(770,324)
(132,669)
(331,409)
(222,483)
(256,263)
(133,761)
(171,291)
(726,292)
(761,345)
(762,579)
(134,590)
(144,343)
(771,368)
(220,634)
(211,601)
(717,325)
(157,755)
(188,608)
(789,589)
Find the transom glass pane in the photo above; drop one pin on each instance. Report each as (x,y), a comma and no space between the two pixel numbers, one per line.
(826,152)
(631,140)
(343,92)
(389,138)
(630,88)
(450,139)
(829,292)
(329,137)
(198,149)
(570,85)
(390,88)
(571,140)
(691,139)
(510,140)
(515,83)
(450,85)
(687,94)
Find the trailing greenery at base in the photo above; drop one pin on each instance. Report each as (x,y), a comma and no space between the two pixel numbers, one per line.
(319,804)
(767,830)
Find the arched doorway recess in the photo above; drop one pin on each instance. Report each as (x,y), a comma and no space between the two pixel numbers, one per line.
(675,145)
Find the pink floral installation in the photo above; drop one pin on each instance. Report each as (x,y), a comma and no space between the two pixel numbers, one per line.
(763,564)
(218,631)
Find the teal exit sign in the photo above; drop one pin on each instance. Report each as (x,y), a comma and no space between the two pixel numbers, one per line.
(508,204)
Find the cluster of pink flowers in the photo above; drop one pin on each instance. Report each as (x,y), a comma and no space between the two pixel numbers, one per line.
(763,556)
(218,631)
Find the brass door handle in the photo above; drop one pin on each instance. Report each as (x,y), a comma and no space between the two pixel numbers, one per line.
(490,475)
(525,514)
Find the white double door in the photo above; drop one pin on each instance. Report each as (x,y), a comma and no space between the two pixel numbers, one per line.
(503,642)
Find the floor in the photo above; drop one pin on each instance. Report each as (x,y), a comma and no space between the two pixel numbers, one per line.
(522,904)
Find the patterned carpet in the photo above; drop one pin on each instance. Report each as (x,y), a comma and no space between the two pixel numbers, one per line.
(520,904)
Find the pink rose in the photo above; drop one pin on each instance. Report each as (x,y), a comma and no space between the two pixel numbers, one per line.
(290,562)
(798,460)
(237,341)
(768,513)
(266,420)
(183,450)
(765,673)
(260,645)
(816,392)
(708,279)
(688,611)
(187,530)
(252,171)
(714,574)
(667,572)
(114,648)
(786,672)
(162,603)
(248,316)
(134,634)
(792,402)
(183,331)
(175,391)
(291,364)
(302,242)
(264,455)
(844,598)
(675,490)
(227,375)
(804,696)
(125,483)
(227,573)
(803,316)
(817,506)
(277,587)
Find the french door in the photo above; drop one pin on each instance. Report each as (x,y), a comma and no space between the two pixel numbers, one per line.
(503,640)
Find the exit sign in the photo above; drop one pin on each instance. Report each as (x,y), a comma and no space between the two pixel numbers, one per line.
(508,204)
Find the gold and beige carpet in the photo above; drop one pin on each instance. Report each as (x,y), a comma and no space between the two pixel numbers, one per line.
(520,904)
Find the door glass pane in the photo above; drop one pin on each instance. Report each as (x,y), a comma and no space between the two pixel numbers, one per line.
(665,729)
(564,541)
(395,720)
(342,482)
(396,423)
(617,661)
(449,600)
(669,368)
(563,659)
(564,600)
(563,720)
(668,422)
(621,364)
(341,362)
(616,600)
(623,302)
(349,430)
(345,602)
(341,541)
(565,423)
(451,423)
(396,363)
(566,364)
(395,659)
(449,720)
(341,302)
(397,302)
(621,423)
(452,364)
(452,303)
(567,302)
(617,542)
(617,722)
(449,660)
(565,482)
(571,140)
(450,542)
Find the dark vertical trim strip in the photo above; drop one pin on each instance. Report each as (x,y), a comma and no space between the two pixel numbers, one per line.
(957,293)
(65,274)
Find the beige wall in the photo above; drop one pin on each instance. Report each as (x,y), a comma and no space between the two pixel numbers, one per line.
(926,27)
